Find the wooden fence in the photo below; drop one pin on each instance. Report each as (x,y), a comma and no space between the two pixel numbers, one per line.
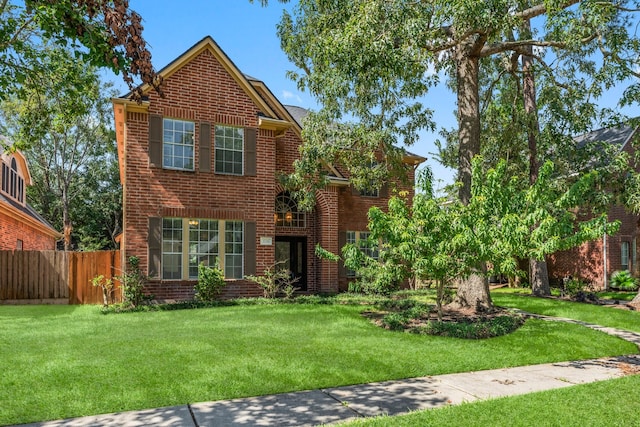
(41,277)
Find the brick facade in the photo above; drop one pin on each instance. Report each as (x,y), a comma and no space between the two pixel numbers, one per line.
(13,231)
(204,87)
(587,262)
(21,228)
(595,261)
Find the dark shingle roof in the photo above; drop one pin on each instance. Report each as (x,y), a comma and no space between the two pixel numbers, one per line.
(25,209)
(617,136)
(298,113)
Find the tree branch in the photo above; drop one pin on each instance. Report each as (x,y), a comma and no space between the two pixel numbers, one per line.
(516,45)
(540,9)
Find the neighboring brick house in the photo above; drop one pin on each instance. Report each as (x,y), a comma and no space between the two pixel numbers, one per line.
(199,170)
(21,227)
(595,261)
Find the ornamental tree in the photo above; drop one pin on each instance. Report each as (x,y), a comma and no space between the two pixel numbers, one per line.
(502,222)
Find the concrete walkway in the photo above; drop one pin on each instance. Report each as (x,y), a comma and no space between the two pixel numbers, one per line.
(333,405)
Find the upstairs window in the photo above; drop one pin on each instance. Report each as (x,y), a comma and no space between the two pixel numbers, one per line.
(178,144)
(373,185)
(12,182)
(370,192)
(229,149)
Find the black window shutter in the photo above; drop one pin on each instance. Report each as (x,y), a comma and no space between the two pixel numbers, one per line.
(384,190)
(250,154)
(205,147)
(342,241)
(249,248)
(154,242)
(155,140)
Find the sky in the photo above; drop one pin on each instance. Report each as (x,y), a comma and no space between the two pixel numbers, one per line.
(247,33)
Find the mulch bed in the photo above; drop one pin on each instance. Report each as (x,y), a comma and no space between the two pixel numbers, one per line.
(449,314)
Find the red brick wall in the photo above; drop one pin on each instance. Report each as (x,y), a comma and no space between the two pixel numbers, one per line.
(33,240)
(327,229)
(353,210)
(201,91)
(587,261)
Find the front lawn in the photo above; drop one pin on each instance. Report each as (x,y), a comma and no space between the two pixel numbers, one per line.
(598,314)
(69,361)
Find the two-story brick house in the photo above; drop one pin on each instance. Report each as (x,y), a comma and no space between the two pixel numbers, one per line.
(597,260)
(199,171)
(21,227)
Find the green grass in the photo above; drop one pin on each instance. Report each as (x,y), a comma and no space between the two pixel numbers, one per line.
(600,315)
(606,403)
(69,361)
(616,295)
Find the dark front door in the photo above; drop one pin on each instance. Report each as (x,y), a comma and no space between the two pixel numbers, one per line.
(291,253)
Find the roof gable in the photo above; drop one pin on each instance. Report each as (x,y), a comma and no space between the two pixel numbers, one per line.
(209,44)
(23,168)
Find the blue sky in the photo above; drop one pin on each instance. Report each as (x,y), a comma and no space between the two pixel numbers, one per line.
(247,33)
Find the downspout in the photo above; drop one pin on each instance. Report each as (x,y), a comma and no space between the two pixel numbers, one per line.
(604,259)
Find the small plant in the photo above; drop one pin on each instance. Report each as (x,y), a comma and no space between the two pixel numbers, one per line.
(133,283)
(276,280)
(623,281)
(210,283)
(573,286)
(403,313)
(107,286)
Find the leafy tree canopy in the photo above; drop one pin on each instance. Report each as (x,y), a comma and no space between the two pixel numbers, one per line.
(103,33)
(371,63)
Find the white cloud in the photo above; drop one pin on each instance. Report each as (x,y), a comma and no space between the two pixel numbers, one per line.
(286,95)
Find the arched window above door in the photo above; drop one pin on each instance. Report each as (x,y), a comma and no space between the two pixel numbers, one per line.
(287,213)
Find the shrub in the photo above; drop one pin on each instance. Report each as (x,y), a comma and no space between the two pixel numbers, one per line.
(394,321)
(133,283)
(210,283)
(474,329)
(573,286)
(276,280)
(624,281)
(405,311)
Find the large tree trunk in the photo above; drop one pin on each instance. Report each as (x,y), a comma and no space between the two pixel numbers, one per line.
(473,292)
(538,273)
(539,278)
(635,302)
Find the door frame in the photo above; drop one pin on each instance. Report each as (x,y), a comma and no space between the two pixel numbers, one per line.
(293,249)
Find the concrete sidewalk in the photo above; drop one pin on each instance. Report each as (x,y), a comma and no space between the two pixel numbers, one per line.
(309,408)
